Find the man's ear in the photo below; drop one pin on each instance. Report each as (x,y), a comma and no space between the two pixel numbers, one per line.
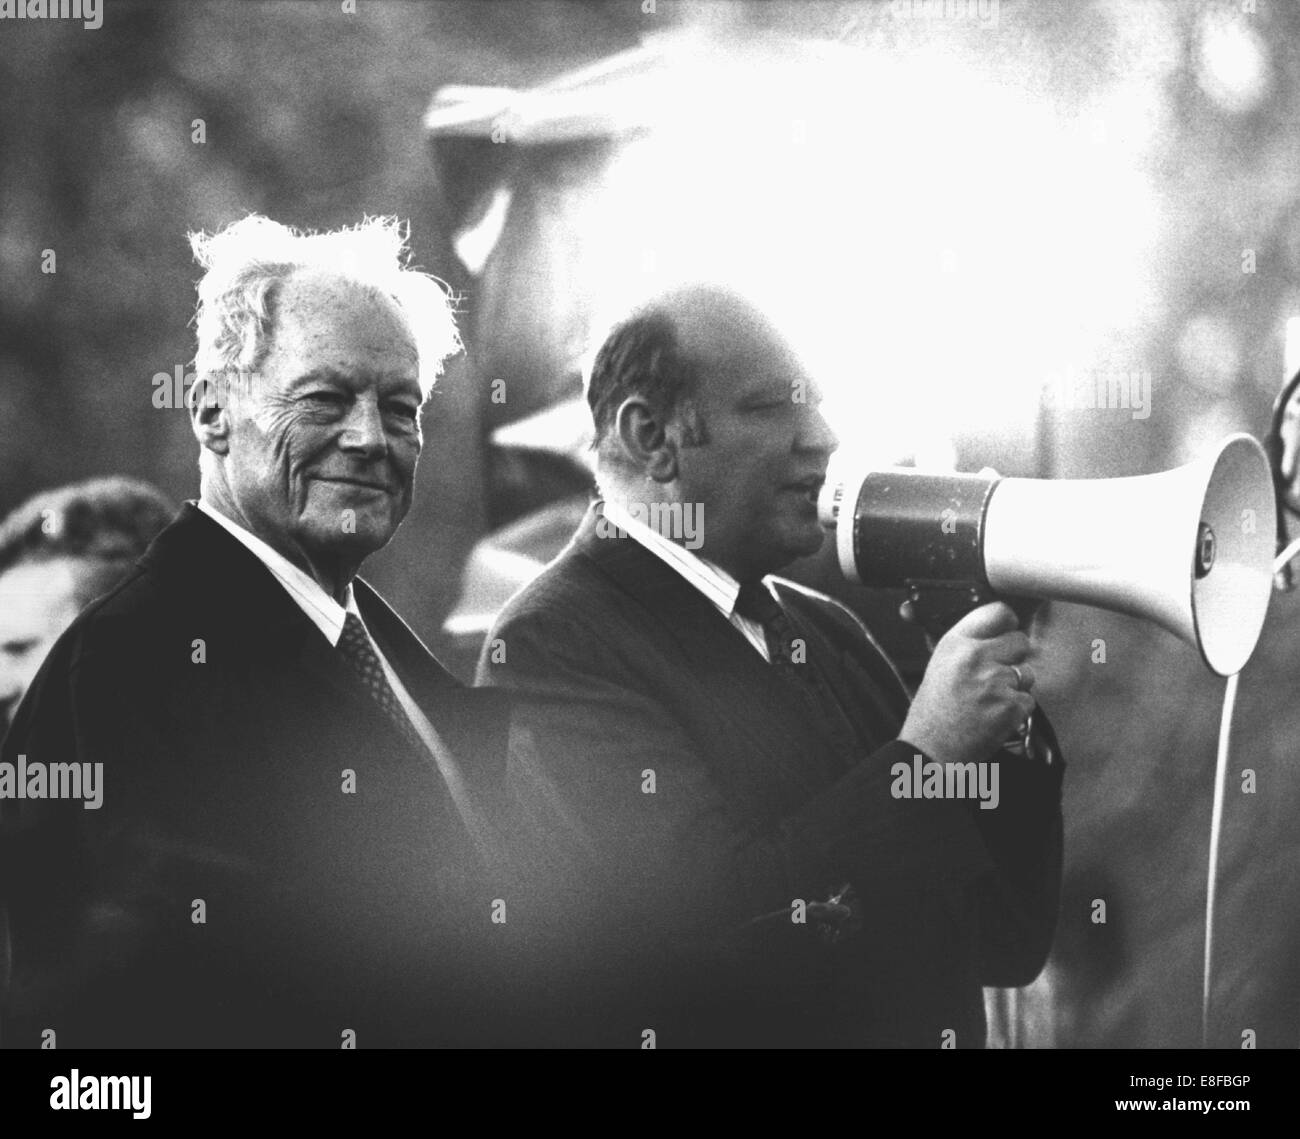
(210,414)
(645,440)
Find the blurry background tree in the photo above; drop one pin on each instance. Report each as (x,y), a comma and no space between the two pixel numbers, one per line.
(1000,195)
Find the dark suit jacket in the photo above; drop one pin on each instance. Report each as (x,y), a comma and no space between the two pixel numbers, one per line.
(680,798)
(226,723)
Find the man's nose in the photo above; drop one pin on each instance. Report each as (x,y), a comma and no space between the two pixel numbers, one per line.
(815,433)
(363,428)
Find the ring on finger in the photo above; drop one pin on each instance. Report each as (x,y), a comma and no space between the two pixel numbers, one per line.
(1020,678)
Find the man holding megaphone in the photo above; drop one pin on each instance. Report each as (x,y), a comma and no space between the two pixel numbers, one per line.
(744,831)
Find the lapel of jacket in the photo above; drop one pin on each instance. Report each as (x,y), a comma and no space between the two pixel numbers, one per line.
(746,693)
(472,722)
(885,693)
(199,563)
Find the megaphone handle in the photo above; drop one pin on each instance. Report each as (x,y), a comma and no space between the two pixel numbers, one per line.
(938,607)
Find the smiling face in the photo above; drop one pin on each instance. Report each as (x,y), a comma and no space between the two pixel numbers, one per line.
(318,453)
(766,445)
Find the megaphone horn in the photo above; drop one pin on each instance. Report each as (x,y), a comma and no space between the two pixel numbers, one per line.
(1190,549)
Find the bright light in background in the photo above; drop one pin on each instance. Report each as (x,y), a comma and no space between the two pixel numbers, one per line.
(1232,64)
(1210,354)
(937,245)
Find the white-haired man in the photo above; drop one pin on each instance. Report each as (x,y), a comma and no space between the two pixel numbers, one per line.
(292,844)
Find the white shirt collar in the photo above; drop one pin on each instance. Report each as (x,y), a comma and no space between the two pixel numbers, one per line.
(325,613)
(328,616)
(713,581)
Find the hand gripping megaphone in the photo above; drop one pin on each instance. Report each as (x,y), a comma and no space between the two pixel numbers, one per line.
(1190,549)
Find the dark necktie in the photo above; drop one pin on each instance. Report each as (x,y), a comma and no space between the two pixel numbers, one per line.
(356,649)
(789,653)
(756,603)
(789,656)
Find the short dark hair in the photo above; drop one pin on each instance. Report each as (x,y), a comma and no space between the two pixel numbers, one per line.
(642,356)
(106,522)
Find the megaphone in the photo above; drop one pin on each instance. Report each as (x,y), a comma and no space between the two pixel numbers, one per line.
(1190,549)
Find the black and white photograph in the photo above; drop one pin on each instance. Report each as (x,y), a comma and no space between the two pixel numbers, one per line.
(698,526)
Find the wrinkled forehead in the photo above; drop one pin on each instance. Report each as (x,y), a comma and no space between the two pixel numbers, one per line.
(321,310)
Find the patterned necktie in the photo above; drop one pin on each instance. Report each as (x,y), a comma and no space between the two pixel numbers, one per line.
(357,650)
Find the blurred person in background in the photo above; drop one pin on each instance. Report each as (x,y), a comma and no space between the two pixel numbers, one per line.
(60,550)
